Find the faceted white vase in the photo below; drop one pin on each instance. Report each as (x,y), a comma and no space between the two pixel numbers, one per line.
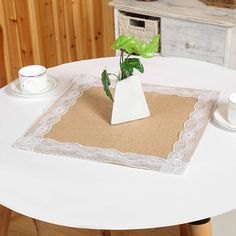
(129,101)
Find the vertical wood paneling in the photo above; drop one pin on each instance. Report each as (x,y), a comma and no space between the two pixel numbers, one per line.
(84,27)
(108,31)
(3,60)
(51,32)
(38,57)
(70,30)
(11,39)
(44,14)
(2,66)
(23,26)
(98,32)
(60,31)
(78,17)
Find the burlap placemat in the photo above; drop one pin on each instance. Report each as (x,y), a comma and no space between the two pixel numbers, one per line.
(88,123)
(78,125)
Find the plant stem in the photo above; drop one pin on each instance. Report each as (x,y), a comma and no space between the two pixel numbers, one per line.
(113,74)
(121,61)
(128,56)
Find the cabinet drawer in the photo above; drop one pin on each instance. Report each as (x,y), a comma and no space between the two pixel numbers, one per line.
(193,40)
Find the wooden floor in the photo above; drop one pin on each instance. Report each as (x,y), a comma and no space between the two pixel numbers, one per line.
(23,226)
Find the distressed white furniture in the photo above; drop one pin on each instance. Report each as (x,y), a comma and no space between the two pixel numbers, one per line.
(85,194)
(189,29)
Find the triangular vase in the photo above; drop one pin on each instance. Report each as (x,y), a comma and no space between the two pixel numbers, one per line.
(129,101)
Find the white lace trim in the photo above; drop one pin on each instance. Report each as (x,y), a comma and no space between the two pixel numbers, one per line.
(177,160)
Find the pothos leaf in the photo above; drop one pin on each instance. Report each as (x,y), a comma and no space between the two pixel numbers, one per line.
(106,83)
(130,64)
(148,50)
(135,63)
(124,42)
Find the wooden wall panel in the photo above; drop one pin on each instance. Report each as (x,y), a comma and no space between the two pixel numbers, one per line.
(46,30)
(108,31)
(25,41)
(23,26)
(84,27)
(70,30)
(2,66)
(98,29)
(52,32)
(11,43)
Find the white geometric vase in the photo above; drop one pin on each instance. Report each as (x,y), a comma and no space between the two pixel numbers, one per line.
(129,101)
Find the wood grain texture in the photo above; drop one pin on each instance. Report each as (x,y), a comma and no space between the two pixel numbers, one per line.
(105,233)
(12,54)
(184,230)
(221,3)
(46,31)
(2,65)
(42,228)
(5,216)
(200,230)
(24,226)
(25,42)
(52,32)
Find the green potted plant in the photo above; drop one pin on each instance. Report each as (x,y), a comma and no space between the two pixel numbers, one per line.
(129,102)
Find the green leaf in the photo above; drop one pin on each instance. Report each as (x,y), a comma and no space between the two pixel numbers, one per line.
(130,64)
(123,42)
(155,42)
(148,50)
(106,83)
(132,46)
(127,70)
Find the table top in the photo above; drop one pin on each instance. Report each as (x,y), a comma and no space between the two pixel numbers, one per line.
(85,194)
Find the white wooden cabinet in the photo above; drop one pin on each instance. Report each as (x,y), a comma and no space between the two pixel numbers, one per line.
(188,28)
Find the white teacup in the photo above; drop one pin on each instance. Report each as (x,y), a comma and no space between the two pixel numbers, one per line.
(33,78)
(232,109)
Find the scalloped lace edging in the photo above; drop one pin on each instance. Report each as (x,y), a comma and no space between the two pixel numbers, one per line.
(177,160)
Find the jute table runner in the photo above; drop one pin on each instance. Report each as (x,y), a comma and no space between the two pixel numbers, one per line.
(78,125)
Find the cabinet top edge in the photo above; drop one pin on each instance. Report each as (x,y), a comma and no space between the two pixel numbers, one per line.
(193,10)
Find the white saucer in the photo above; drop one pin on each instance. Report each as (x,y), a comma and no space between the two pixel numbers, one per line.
(16,89)
(220,116)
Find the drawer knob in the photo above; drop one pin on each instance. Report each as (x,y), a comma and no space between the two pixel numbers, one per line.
(189,45)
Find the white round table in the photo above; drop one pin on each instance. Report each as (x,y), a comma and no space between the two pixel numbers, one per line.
(84,194)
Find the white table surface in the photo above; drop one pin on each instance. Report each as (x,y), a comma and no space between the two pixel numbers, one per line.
(87,194)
